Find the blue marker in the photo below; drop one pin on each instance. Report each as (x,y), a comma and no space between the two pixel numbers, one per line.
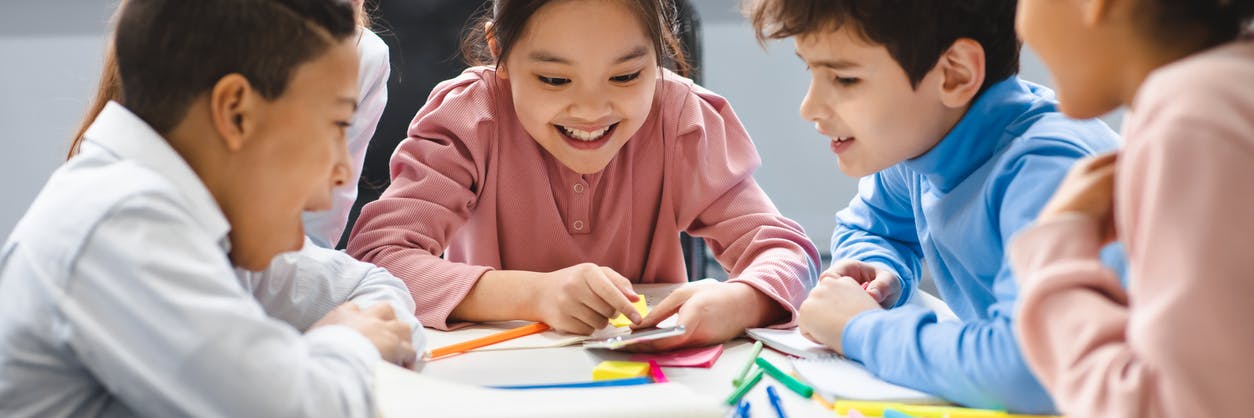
(743,410)
(775,401)
(630,381)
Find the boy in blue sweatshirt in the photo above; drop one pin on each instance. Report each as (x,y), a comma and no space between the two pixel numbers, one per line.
(956,154)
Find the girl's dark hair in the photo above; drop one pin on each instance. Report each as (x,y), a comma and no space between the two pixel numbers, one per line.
(509,18)
(1214,21)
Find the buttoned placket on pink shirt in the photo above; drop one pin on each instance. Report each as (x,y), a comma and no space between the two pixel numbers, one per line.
(470,184)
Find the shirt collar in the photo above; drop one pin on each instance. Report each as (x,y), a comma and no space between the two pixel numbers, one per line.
(123,133)
(984,129)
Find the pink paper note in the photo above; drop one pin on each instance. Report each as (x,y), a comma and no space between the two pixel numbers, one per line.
(690,357)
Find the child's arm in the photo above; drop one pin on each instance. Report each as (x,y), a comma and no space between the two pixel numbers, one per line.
(301,287)
(1181,345)
(977,362)
(156,315)
(716,198)
(878,229)
(434,173)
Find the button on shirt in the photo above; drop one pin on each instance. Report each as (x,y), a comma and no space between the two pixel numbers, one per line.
(117,298)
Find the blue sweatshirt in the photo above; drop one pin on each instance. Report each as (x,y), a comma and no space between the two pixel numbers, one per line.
(955,207)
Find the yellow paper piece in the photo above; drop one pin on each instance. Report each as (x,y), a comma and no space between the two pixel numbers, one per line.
(622,321)
(619,370)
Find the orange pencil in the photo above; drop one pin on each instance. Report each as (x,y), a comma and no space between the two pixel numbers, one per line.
(506,335)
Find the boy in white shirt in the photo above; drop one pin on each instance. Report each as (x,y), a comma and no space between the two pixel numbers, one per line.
(144,279)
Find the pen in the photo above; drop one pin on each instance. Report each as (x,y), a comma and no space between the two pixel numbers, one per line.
(757,349)
(743,410)
(744,388)
(506,335)
(630,381)
(926,411)
(795,385)
(893,413)
(922,411)
(775,401)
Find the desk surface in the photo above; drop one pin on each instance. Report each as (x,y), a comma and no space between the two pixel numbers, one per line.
(574,363)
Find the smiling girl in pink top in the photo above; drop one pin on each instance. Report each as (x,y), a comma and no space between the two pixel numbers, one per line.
(555,179)
(1178,341)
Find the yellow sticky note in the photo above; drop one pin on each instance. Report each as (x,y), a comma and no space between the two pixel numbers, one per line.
(622,321)
(619,370)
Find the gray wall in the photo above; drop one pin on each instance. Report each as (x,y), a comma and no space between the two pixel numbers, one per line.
(766,87)
(52,51)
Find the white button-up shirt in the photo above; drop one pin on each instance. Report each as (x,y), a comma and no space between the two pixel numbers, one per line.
(117,298)
(374,67)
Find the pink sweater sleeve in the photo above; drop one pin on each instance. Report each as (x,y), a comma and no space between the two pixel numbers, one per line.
(432,193)
(718,200)
(1179,342)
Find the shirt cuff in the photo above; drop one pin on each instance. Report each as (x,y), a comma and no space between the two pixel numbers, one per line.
(854,340)
(1067,237)
(758,286)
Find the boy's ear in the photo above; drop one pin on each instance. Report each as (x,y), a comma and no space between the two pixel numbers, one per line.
(962,72)
(230,105)
(494,48)
(1095,11)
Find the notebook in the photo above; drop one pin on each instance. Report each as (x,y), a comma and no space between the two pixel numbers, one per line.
(833,376)
(838,378)
(403,393)
(791,342)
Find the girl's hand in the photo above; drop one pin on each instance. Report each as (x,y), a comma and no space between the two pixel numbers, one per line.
(712,312)
(582,298)
(882,285)
(830,306)
(1089,190)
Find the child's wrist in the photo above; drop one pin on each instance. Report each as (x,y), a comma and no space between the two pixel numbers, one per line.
(762,309)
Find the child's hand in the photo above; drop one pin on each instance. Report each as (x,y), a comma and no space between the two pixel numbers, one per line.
(882,285)
(831,305)
(1088,189)
(712,312)
(583,298)
(377,323)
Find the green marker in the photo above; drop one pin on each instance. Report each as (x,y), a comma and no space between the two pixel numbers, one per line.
(801,388)
(757,349)
(744,388)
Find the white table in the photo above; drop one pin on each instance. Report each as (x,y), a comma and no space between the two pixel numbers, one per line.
(574,364)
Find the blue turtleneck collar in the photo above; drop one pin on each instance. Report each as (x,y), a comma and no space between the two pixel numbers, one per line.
(999,115)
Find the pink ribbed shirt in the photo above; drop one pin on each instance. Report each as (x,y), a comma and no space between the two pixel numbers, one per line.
(1179,342)
(470,183)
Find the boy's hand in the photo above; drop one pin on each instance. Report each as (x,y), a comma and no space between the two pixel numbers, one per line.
(582,298)
(882,285)
(830,306)
(1088,189)
(711,312)
(378,324)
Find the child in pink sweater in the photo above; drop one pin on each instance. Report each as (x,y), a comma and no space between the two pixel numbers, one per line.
(553,180)
(1177,342)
